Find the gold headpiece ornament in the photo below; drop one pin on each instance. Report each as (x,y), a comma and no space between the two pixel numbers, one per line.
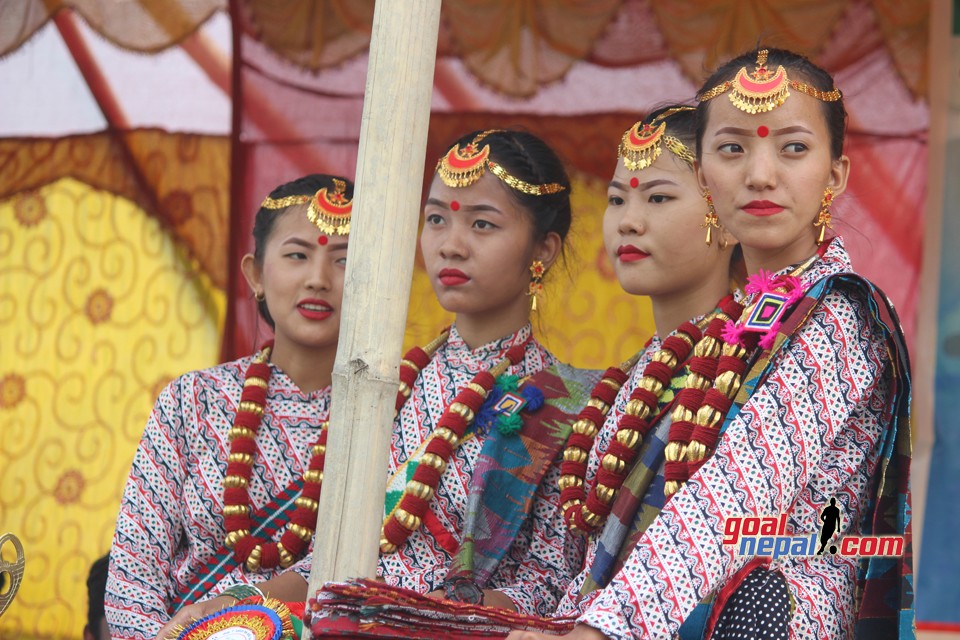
(642,144)
(462,167)
(763,90)
(329,211)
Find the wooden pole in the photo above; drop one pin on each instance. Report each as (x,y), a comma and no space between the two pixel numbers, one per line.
(393,137)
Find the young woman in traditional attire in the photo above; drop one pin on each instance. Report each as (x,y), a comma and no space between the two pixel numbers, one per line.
(223,489)
(459,517)
(810,394)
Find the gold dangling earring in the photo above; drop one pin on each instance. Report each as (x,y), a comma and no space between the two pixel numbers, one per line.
(536,282)
(824,218)
(260,296)
(710,221)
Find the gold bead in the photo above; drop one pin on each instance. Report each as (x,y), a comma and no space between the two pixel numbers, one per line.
(404,389)
(245,458)
(591,518)
(735,350)
(605,493)
(728,383)
(434,461)
(419,489)
(232,482)
(307,503)
(651,384)
(252,407)
(448,435)
(253,560)
(613,464)
(670,487)
(478,389)
(301,532)
(697,381)
(613,384)
(236,510)
(239,432)
(585,427)
(674,451)
(708,347)
(696,451)
(574,454)
(628,437)
(409,365)
(318,449)
(286,558)
(666,357)
(637,408)
(571,503)
(683,336)
(407,520)
(462,410)
(234,537)
(599,404)
(707,416)
(570,480)
(386,546)
(313,475)
(681,414)
(254,381)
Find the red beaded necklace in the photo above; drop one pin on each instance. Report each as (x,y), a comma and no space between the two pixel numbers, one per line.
(586,512)
(256,553)
(408,515)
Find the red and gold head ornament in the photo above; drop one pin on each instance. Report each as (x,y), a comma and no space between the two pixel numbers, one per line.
(462,167)
(763,89)
(329,211)
(643,143)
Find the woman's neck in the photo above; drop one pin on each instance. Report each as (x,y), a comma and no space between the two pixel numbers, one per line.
(310,369)
(479,329)
(670,311)
(776,260)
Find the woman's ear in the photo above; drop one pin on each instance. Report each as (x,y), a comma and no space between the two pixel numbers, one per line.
(839,172)
(701,180)
(549,249)
(253,274)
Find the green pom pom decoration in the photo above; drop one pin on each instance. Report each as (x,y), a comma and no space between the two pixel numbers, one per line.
(508,383)
(509,425)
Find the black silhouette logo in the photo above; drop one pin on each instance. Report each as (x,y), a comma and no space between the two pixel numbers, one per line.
(830,516)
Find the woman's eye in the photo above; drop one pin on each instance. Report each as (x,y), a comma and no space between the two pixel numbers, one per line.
(297,255)
(730,147)
(614,200)
(341,261)
(483,224)
(659,198)
(795,147)
(434,218)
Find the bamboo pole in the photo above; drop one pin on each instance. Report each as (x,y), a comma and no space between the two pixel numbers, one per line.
(393,136)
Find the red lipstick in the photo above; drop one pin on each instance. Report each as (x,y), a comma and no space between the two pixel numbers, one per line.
(452,277)
(762,208)
(315,309)
(629,253)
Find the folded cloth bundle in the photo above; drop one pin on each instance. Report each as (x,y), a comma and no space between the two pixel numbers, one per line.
(370,609)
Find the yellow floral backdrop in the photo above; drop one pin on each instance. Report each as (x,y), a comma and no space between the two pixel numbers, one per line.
(98,310)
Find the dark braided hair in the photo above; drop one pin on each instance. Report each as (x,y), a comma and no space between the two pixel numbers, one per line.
(266,219)
(798,68)
(96,592)
(528,158)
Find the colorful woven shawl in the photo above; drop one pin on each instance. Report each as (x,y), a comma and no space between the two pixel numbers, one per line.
(511,467)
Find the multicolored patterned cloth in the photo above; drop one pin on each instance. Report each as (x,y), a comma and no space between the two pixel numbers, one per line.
(539,554)
(171,517)
(826,419)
